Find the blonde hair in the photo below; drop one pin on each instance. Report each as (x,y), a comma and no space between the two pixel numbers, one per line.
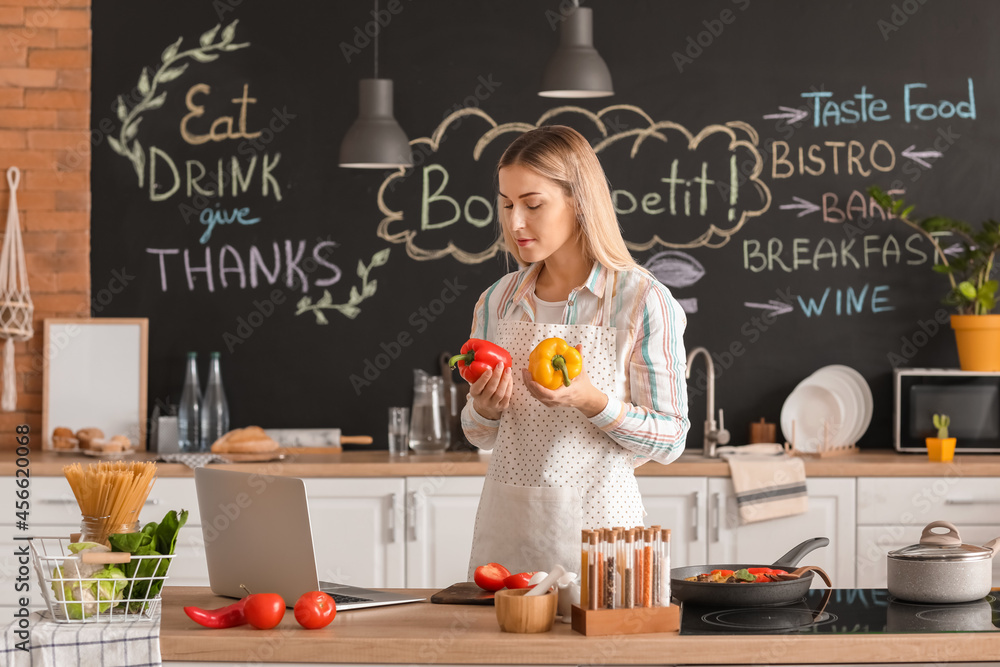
(563,156)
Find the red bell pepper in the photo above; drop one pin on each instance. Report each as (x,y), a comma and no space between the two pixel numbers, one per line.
(477,356)
(224,617)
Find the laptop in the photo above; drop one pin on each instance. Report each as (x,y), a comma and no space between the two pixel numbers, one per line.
(257,533)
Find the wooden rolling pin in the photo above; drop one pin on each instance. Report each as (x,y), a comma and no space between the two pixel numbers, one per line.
(320,441)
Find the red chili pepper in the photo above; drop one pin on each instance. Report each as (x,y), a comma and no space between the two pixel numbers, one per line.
(477,356)
(224,617)
(758,570)
(724,573)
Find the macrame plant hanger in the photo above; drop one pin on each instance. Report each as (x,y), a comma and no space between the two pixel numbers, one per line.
(16,309)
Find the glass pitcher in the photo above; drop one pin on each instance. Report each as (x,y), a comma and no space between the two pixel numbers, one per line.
(429,432)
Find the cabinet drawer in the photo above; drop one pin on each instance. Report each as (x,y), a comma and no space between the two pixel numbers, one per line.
(53,503)
(875,542)
(917,501)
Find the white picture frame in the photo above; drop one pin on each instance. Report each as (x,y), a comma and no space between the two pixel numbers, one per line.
(94,375)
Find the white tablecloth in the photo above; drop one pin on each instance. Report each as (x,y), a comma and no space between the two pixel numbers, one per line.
(131,643)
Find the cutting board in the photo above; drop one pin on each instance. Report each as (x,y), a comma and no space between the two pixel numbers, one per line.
(464,592)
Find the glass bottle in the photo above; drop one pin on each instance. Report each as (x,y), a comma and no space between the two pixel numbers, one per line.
(214,409)
(189,412)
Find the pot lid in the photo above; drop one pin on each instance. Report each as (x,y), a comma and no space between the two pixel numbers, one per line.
(925,552)
(946,546)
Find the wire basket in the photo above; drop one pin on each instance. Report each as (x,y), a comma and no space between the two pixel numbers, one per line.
(100,598)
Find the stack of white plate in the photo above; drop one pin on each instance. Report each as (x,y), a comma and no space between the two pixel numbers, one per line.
(831,408)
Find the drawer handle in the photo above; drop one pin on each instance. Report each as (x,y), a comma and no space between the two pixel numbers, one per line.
(970,501)
(694,517)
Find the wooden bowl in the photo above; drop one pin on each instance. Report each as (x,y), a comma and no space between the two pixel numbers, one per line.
(517,613)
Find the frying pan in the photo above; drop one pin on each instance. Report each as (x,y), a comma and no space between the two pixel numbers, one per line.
(745,595)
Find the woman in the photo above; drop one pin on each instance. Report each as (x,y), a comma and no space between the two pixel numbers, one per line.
(563,460)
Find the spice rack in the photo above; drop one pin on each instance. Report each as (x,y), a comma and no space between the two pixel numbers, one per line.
(626,583)
(638,620)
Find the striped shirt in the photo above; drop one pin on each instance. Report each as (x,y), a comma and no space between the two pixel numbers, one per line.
(648,414)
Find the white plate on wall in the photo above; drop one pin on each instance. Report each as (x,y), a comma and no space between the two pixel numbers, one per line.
(814,409)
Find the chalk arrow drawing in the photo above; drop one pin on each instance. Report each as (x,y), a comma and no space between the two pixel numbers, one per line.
(954,249)
(806,206)
(918,156)
(776,307)
(791,115)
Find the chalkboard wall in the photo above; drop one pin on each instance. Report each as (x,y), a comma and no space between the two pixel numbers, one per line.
(739,142)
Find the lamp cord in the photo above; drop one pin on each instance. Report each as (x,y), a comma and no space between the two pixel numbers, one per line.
(378,29)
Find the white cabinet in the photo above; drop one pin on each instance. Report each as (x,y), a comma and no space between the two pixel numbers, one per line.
(831,515)
(357,526)
(892,512)
(440,516)
(706,527)
(678,503)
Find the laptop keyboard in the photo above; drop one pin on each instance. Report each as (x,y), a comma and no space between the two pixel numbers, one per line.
(339,598)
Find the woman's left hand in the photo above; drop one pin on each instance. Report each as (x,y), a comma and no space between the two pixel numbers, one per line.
(580,394)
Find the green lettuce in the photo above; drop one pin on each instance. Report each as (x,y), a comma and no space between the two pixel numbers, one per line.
(155,539)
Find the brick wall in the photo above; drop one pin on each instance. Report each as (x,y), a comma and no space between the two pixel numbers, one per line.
(44,130)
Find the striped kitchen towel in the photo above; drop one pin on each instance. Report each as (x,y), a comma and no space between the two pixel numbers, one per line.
(769,483)
(130,643)
(193,459)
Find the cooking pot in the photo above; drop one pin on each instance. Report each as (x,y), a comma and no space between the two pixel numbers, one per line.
(940,569)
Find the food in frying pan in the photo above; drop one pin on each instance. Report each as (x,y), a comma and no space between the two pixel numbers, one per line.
(744,576)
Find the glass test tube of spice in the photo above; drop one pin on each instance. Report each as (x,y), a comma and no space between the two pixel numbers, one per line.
(628,581)
(647,568)
(665,561)
(657,567)
(592,572)
(609,571)
(584,571)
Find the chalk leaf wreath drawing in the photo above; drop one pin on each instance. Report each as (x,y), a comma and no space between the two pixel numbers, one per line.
(208,49)
(350,309)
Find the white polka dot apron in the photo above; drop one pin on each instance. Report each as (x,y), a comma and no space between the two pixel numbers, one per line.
(552,472)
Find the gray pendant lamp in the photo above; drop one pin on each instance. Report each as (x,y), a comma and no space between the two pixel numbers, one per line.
(375,140)
(577,69)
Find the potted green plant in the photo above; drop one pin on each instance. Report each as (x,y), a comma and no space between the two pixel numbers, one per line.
(941,448)
(973,290)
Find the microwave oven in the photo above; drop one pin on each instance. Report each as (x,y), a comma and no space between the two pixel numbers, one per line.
(971,399)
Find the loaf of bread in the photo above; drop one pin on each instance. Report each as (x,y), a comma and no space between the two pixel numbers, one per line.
(63,432)
(86,435)
(249,440)
(118,443)
(64,442)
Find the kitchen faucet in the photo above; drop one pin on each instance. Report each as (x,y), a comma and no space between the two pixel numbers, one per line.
(713,436)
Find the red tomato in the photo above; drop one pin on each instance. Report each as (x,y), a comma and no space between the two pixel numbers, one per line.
(490,577)
(519,580)
(315,610)
(264,610)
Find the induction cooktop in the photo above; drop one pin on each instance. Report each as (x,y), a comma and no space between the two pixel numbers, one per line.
(844,611)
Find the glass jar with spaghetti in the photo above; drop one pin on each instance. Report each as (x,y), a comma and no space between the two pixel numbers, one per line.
(97,528)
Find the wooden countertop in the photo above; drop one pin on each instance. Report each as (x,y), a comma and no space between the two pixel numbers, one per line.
(430,633)
(867,463)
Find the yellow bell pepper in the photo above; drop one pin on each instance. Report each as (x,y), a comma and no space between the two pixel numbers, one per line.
(554,362)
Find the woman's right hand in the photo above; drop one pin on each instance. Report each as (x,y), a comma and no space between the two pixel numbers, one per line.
(491,392)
